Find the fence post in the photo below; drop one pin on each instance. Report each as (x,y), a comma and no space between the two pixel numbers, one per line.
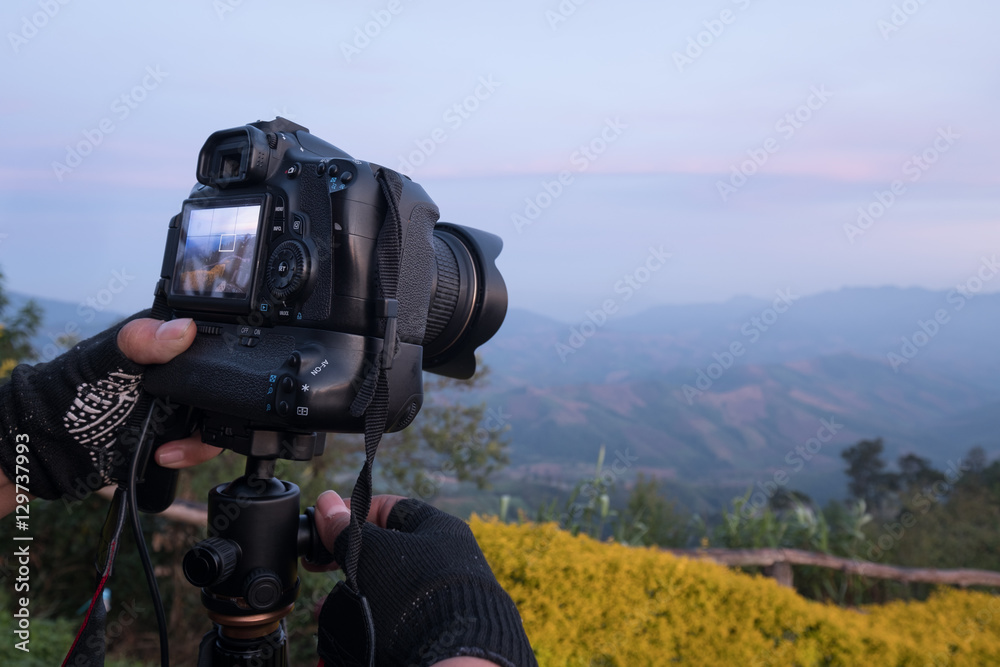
(781,572)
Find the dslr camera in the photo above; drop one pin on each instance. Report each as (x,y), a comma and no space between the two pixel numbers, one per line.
(306,269)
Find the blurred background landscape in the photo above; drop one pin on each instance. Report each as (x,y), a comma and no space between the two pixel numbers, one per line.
(751,252)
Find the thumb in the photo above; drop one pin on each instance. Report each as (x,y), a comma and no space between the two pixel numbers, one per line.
(332,517)
(148,341)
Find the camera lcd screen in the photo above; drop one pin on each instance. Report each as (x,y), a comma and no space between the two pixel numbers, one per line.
(217,250)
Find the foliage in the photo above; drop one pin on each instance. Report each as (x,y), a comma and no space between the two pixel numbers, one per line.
(49,642)
(588,509)
(448,440)
(952,522)
(666,524)
(589,603)
(16,331)
(866,471)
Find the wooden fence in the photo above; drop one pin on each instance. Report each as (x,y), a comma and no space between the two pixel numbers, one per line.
(777,563)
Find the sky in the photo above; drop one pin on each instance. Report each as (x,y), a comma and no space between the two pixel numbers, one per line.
(646,153)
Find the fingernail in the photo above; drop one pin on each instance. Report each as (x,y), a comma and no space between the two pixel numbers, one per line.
(169,456)
(327,503)
(174,329)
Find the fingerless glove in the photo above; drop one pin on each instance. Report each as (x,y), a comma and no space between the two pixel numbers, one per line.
(68,412)
(431,592)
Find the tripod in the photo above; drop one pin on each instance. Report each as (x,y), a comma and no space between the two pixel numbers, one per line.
(247,568)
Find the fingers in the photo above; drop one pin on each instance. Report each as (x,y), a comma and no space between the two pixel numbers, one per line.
(185,453)
(333,515)
(381,506)
(148,341)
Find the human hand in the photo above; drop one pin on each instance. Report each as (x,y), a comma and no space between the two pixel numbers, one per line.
(65,415)
(431,592)
(148,341)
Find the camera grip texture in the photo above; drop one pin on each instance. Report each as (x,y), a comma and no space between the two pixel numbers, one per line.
(219,375)
(296,385)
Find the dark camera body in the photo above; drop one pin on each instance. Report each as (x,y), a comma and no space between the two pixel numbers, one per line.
(276,254)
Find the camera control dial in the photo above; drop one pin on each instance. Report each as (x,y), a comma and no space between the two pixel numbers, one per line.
(287,269)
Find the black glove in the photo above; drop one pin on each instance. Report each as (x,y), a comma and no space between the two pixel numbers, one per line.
(69,412)
(431,592)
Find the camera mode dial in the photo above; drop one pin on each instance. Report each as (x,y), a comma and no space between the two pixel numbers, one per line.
(287,269)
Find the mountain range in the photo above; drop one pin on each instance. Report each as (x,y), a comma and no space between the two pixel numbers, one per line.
(732,393)
(736,393)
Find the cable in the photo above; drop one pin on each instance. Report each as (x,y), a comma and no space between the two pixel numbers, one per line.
(140,540)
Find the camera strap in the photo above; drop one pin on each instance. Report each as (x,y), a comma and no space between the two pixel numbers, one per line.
(372,401)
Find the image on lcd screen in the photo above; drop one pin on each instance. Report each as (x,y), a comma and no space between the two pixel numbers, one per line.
(218,252)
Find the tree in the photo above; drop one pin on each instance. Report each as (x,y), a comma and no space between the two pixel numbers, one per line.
(665,525)
(916,472)
(866,469)
(451,439)
(16,331)
(976,460)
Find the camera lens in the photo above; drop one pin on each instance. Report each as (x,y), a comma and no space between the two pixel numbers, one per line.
(468,299)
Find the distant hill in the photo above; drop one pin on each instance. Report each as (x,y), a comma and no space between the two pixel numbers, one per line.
(61,317)
(868,322)
(630,384)
(826,355)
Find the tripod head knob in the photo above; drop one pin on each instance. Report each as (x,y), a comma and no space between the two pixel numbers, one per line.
(262,589)
(211,561)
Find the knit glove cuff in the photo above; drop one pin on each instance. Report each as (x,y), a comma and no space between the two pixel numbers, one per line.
(69,412)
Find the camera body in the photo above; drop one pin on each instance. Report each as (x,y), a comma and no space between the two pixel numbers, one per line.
(280,256)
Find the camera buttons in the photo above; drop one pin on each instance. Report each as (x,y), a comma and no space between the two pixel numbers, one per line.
(293,170)
(286,270)
(298,224)
(347,177)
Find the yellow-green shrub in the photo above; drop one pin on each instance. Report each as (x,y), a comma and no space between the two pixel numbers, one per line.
(589,603)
